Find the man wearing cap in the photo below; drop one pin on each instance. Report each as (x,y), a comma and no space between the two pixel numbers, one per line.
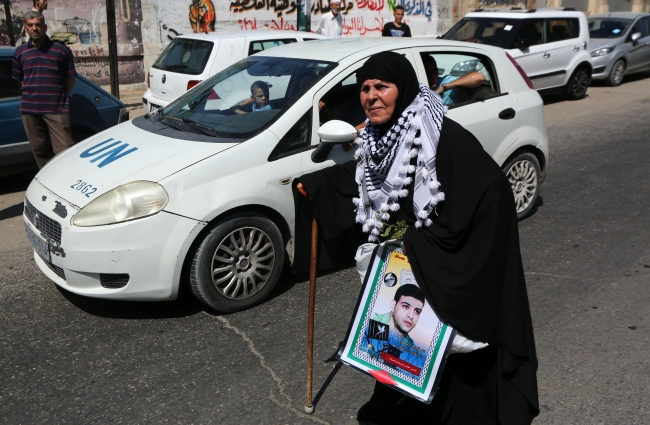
(331,23)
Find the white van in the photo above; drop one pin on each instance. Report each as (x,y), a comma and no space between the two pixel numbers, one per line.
(192,58)
(551,45)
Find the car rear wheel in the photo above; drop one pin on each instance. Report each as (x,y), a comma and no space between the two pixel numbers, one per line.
(576,88)
(524,173)
(237,264)
(616,75)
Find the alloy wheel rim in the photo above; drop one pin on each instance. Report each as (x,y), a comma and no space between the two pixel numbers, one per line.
(580,84)
(523,181)
(242,263)
(619,68)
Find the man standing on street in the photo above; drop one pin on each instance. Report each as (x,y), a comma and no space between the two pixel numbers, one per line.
(397,28)
(331,23)
(46,71)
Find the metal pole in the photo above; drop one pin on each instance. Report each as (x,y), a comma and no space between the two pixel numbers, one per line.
(112,48)
(309,407)
(10,25)
(304,15)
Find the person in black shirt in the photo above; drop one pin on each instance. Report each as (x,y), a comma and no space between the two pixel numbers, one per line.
(397,28)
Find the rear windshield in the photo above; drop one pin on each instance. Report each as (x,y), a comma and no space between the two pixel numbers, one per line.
(184,56)
(500,32)
(607,27)
(245,98)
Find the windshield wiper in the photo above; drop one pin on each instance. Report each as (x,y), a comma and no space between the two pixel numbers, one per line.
(206,129)
(169,119)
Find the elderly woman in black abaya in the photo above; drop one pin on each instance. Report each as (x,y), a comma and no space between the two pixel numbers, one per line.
(418,167)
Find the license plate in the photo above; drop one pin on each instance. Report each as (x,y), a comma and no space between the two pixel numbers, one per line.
(39,244)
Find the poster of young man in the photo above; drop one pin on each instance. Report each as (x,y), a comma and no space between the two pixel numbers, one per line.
(395,336)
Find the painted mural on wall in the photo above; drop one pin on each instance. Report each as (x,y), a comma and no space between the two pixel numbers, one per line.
(361,17)
(81,25)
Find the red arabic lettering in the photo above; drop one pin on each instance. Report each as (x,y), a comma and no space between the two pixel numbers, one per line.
(247,24)
(356,24)
(370,4)
(280,25)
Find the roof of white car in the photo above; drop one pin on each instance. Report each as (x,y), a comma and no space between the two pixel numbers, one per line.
(253,33)
(525,14)
(336,49)
(627,15)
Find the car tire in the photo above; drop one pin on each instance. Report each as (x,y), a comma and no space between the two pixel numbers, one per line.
(615,77)
(237,264)
(524,174)
(576,88)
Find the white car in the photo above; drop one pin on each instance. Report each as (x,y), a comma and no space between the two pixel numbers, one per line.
(199,191)
(192,58)
(551,45)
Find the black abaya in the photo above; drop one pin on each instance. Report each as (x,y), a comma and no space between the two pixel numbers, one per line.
(469,265)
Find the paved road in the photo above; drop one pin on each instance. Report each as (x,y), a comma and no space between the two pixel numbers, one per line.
(68,359)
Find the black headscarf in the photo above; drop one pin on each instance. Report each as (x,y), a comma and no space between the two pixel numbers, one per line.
(393,68)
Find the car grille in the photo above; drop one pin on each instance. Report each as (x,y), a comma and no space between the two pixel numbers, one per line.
(113,280)
(50,229)
(58,270)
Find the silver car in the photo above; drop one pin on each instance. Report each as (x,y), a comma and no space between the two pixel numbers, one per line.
(620,45)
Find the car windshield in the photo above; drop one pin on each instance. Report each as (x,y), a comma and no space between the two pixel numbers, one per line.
(184,56)
(607,27)
(500,32)
(245,98)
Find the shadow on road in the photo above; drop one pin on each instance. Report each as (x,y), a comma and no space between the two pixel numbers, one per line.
(330,377)
(12,211)
(16,182)
(185,305)
(538,204)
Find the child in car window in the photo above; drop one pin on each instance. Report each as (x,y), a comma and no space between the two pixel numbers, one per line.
(259,100)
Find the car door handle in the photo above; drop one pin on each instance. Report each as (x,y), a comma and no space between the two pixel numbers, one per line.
(547,55)
(576,48)
(507,114)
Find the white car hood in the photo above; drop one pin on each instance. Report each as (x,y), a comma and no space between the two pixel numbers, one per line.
(117,156)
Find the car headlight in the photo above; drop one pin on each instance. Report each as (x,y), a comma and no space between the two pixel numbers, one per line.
(600,52)
(127,202)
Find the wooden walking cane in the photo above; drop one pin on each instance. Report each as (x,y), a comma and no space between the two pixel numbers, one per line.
(309,407)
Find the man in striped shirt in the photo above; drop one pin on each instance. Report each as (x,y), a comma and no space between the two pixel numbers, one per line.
(46,71)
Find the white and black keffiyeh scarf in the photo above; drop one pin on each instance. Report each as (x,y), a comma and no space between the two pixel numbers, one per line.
(384,164)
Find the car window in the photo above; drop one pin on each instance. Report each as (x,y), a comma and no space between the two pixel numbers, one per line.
(8,86)
(261,45)
(443,68)
(296,139)
(342,102)
(532,32)
(247,97)
(493,31)
(608,27)
(563,29)
(642,26)
(184,56)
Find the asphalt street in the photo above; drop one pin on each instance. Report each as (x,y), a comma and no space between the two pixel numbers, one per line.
(70,359)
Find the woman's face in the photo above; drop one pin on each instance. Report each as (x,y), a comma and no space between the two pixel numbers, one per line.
(378,99)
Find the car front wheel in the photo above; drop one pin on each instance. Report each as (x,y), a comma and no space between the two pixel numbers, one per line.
(237,264)
(524,173)
(576,88)
(616,75)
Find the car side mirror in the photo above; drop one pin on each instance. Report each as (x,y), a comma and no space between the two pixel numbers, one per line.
(524,43)
(635,37)
(332,133)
